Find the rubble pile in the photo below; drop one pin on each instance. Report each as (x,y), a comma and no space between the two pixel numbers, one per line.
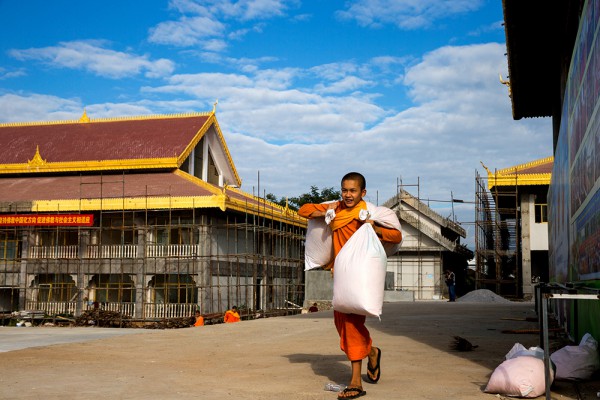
(103,318)
(482,296)
(171,323)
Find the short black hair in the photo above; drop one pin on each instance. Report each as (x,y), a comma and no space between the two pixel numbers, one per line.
(355,176)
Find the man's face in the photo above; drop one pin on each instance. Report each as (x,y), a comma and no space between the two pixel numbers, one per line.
(352,194)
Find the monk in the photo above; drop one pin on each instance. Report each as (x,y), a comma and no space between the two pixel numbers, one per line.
(199,319)
(355,339)
(231,315)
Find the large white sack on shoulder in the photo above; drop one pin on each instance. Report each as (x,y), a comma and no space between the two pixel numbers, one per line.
(318,250)
(388,219)
(359,274)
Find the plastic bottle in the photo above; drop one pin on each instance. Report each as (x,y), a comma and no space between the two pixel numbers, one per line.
(334,387)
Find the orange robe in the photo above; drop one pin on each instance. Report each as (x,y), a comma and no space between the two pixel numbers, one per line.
(355,339)
(199,321)
(231,316)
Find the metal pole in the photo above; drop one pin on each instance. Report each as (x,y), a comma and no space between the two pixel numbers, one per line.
(546,346)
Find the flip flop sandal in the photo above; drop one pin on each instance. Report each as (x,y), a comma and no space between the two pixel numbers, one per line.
(358,392)
(376,369)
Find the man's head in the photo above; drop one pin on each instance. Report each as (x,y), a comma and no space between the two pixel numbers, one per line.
(353,188)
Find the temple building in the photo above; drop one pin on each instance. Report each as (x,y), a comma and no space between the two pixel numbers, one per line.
(140,215)
(511,228)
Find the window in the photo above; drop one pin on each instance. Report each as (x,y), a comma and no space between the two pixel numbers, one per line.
(173,288)
(114,288)
(9,247)
(541,213)
(55,287)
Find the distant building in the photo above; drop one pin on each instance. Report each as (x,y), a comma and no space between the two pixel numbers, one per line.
(431,245)
(140,215)
(511,228)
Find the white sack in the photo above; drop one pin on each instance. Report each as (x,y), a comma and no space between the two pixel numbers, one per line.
(318,250)
(521,376)
(577,362)
(388,219)
(519,350)
(359,274)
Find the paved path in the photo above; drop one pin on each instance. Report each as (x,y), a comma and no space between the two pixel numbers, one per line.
(275,358)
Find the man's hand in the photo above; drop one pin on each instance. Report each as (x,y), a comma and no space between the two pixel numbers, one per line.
(376,227)
(318,213)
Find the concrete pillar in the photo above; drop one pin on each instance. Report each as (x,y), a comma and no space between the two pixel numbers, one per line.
(202,267)
(527,204)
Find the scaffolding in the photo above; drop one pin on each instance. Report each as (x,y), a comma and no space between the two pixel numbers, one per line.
(497,237)
(153,264)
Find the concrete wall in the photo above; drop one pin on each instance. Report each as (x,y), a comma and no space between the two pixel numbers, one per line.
(319,289)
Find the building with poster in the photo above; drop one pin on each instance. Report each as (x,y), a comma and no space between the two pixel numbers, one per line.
(554,64)
(139,215)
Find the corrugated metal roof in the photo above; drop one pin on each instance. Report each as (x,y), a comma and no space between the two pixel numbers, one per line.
(98,140)
(162,184)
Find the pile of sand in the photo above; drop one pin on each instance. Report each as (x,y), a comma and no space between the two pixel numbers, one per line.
(482,296)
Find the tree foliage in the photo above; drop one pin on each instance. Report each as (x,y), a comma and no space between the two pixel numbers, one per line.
(314,196)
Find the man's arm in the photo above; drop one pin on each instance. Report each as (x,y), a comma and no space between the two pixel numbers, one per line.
(386,234)
(316,210)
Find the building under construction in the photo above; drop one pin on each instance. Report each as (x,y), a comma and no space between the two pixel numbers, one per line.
(143,216)
(511,230)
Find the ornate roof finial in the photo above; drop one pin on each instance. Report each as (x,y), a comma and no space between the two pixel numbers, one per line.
(215,106)
(37,159)
(84,117)
(486,168)
(507,83)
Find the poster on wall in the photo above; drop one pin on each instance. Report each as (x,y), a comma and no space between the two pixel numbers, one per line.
(582,149)
(558,209)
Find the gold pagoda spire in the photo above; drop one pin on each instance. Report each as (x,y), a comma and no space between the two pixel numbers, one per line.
(84,118)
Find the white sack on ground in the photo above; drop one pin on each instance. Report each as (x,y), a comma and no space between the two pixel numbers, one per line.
(521,376)
(359,274)
(577,362)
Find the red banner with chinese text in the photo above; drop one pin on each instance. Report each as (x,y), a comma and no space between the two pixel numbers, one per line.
(47,220)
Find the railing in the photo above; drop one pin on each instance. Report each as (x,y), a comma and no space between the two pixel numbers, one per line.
(71,251)
(127,309)
(173,250)
(52,307)
(112,251)
(174,310)
(115,251)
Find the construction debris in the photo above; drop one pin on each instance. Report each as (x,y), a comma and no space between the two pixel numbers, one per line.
(171,323)
(462,344)
(103,318)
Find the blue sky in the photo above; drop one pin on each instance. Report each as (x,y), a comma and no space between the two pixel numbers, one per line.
(403,91)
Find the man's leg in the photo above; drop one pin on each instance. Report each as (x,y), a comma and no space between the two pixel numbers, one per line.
(355,381)
(373,367)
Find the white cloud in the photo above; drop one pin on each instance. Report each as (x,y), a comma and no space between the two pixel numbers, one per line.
(187,31)
(36,107)
(203,22)
(91,56)
(6,74)
(406,14)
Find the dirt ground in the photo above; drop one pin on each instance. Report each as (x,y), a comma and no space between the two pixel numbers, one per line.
(279,358)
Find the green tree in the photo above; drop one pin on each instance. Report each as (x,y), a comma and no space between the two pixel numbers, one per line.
(314,196)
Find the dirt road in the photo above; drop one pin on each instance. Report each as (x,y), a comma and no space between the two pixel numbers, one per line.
(279,358)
